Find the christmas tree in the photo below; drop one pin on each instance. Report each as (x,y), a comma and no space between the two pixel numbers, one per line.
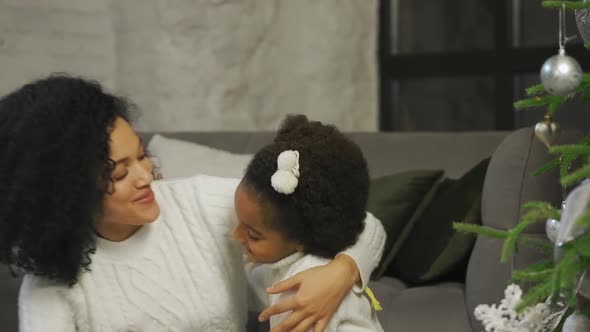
(561,283)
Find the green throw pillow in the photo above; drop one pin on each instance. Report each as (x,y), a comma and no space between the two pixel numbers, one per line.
(393,199)
(432,247)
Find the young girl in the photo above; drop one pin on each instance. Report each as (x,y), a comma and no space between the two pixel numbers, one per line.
(301,202)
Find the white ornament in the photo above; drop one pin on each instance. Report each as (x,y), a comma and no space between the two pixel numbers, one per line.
(576,204)
(551,228)
(286,178)
(576,322)
(561,74)
(503,317)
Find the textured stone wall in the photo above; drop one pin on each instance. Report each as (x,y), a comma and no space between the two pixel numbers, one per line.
(38,37)
(205,65)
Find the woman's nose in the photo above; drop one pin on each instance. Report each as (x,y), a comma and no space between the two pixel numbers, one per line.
(144,176)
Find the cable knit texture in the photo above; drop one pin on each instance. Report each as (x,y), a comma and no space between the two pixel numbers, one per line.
(354,314)
(183,272)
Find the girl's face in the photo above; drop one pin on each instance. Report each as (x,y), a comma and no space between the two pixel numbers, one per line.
(262,244)
(130,202)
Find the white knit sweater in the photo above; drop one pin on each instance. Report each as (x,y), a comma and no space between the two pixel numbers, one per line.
(355,313)
(183,272)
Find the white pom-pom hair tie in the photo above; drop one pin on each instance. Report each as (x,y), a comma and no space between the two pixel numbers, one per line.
(286,178)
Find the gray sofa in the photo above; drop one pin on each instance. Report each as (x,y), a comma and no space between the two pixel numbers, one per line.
(508,183)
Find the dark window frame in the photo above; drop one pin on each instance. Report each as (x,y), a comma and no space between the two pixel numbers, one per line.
(502,63)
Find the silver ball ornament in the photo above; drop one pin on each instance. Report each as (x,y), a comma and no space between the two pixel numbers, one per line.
(551,228)
(561,74)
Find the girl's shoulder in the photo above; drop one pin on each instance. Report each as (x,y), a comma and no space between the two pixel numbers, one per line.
(307,262)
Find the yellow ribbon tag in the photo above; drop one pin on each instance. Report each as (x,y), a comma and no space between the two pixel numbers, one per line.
(374,303)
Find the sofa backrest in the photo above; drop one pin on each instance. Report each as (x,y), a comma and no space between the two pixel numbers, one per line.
(386,153)
(509,184)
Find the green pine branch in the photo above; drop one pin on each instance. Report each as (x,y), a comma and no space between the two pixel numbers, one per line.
(582,244)
(538,101)
(567,155)
(572,149)
(535,90)
(535,212)
(568,4)
(544,246)
(540,98)
(547,167)
(561,280)
(567,271)
(541,271)
(576,176)
(564,168)
(540,209)
(535,295)
(480,230)
(554,106)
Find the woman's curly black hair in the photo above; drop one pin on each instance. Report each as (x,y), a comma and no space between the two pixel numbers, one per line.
(326,211)
(54,173)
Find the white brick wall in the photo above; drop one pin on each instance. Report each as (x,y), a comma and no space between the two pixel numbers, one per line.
(205,65)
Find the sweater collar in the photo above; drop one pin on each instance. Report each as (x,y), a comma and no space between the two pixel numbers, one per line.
(287,261)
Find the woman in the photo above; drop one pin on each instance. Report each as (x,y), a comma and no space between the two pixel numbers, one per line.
(107,249)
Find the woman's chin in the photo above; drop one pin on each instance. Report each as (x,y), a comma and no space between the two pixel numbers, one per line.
(151,214)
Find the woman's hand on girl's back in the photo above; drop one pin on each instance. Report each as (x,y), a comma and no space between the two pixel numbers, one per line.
(320,290)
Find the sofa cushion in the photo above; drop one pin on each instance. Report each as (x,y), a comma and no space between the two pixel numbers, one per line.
(9,288)
(394,199)
(433,247)
(179,158)
(425,309)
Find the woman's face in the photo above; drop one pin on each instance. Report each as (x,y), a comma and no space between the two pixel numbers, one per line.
(130,200)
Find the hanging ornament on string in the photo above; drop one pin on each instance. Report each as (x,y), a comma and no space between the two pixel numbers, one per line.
(561,74)
(551,228)
(583,22)
(547,130)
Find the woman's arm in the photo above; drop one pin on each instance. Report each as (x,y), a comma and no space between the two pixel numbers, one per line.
(320,290)
(41,307)
(367,250)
